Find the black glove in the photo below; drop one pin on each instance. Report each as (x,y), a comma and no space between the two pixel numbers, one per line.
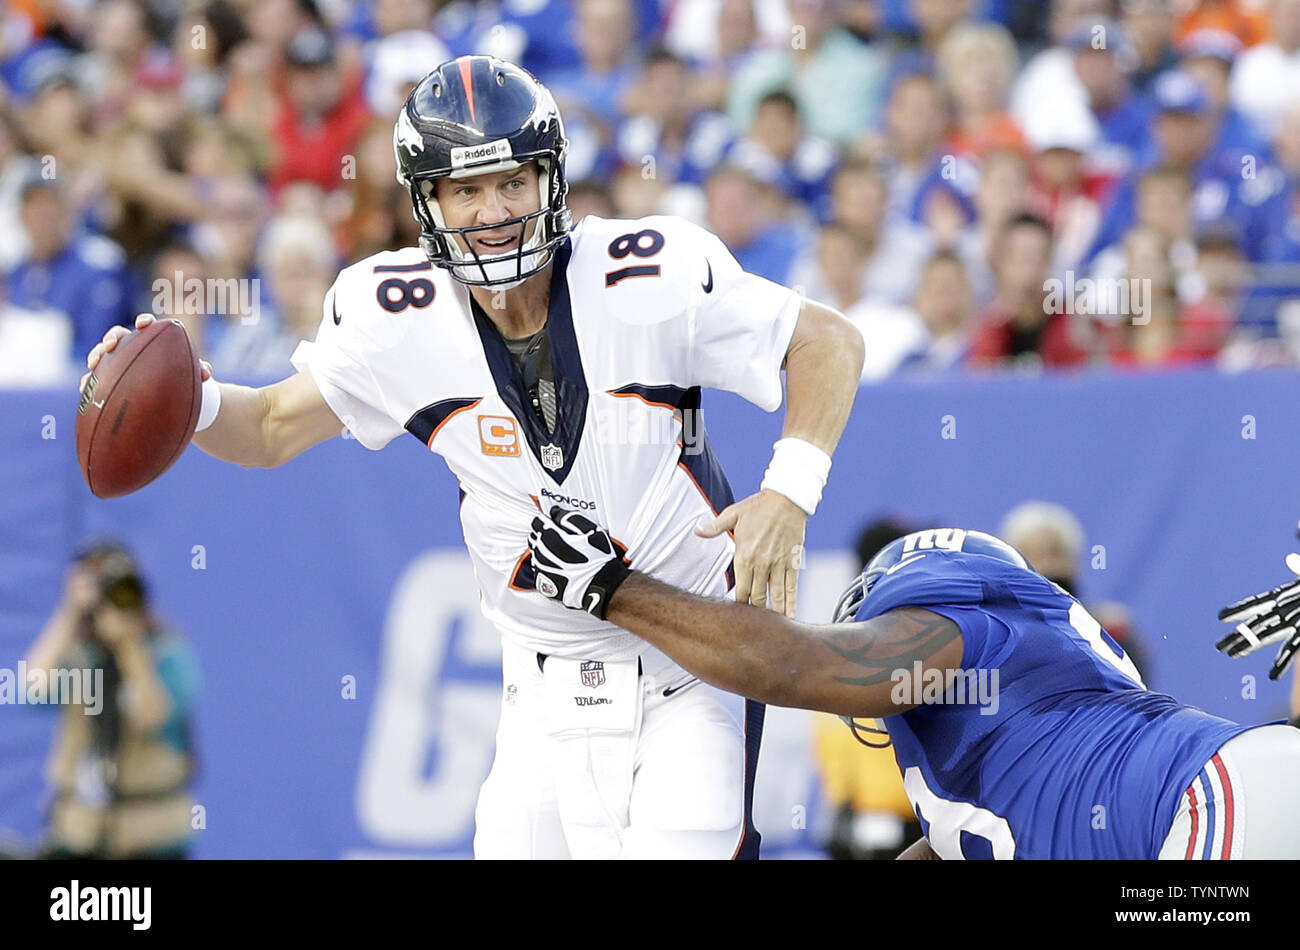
(1265,618)
(577,563)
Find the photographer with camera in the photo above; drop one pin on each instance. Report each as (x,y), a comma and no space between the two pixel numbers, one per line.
(120,777)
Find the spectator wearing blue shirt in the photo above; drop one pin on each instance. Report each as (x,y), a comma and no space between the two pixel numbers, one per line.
(916,125)
(1249,194)
(667,130)
(1208,56)
(932,20)
(777,150)
(1274,299)
(536,34)
(1104,59)
(608,63)
(1150,24)
(539,35)
(894,250)
(741,211)
(590,93)
(83,276)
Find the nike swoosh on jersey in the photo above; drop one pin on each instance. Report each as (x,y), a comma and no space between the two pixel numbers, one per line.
(902,564)
(708,285)
(681,686)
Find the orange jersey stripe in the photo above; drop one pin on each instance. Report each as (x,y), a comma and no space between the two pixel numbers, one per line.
(451,415)
(648,402)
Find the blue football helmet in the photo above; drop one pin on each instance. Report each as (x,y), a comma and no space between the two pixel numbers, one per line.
(894,553)
(472,116)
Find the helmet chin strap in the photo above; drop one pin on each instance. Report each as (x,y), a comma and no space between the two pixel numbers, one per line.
(863,732)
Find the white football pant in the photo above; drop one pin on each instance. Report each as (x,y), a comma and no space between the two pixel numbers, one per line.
(676,784)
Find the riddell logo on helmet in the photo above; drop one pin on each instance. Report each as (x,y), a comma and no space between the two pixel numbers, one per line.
(480,154)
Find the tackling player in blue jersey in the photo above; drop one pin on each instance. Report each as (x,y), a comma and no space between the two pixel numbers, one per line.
(1021,728)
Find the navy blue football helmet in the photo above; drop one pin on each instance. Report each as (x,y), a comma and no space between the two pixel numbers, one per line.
(896,552)
(477,115)
(932,539)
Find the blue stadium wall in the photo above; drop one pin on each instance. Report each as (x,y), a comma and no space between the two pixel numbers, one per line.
(349,564)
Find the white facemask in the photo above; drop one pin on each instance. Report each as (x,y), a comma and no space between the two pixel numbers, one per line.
(499,267)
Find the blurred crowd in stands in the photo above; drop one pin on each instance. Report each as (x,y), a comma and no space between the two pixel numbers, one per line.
(975,183)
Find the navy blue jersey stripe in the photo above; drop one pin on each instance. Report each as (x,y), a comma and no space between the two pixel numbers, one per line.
(402,268)
(755,713)
(697,453)
(425,421)
(566,363)
(662,395)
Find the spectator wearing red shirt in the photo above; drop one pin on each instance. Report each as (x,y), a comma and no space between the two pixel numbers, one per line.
(1172,333)
(321,115)
(1062,190)
(1016,329)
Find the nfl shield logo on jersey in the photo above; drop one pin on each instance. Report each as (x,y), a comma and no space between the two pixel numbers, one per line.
(552,456)
(593,673)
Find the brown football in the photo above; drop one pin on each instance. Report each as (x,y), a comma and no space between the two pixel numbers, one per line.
(138,409)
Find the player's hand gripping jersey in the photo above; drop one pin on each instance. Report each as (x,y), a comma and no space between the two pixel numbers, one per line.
(1058,749)
(642,314)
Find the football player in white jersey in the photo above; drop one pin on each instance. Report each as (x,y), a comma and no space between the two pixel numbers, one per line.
(548,365)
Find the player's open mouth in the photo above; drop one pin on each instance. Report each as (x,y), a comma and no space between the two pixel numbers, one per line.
(495,245)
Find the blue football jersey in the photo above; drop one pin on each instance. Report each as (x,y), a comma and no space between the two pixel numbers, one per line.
(1047,745)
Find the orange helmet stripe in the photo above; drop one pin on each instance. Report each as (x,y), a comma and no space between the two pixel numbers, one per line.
(467,77)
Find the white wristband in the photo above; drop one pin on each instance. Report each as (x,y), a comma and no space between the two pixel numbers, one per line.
(798,471)
(211,404)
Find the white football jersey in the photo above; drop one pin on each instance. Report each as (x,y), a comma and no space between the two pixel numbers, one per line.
(642,315)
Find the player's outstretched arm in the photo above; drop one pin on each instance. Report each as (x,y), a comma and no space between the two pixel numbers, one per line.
(847,669)
(255,428)
(268,426)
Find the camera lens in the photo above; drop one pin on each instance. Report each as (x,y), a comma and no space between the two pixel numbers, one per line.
(120,585)
(124,592)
